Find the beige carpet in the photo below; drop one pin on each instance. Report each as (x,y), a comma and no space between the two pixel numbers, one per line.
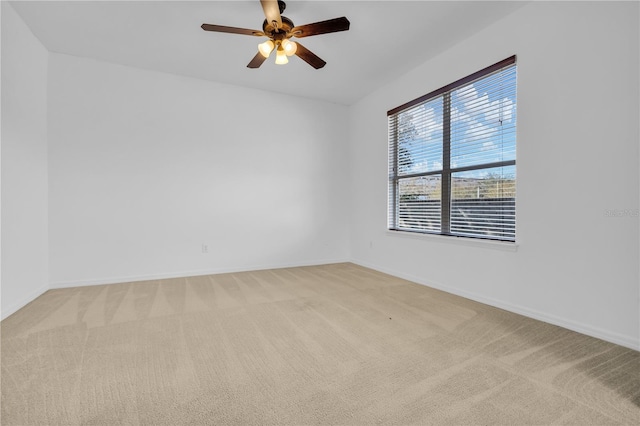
(334,344)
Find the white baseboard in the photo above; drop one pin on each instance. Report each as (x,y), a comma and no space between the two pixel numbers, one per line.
(191,273)
(14,307)
(618,339)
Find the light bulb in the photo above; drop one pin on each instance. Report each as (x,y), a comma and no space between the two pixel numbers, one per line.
(265,48)
(289,47)
(281,57)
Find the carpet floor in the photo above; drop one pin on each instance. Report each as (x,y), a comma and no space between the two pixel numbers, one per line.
(331,344)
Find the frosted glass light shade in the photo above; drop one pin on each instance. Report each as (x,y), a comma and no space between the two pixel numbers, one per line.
(289,47)
(281,57)
(265,48)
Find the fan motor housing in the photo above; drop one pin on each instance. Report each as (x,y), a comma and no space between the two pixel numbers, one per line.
(280,33)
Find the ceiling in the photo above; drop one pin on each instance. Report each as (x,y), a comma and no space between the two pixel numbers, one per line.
(386,39)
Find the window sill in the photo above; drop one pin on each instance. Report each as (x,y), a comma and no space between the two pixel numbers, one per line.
(471,242)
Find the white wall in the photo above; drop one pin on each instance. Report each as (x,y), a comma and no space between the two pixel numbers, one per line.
(577,158)
(145,167)
(24,164)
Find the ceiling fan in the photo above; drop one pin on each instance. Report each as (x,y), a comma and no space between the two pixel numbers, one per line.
(279,30)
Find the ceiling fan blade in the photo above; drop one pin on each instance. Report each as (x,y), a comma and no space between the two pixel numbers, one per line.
(272,11)
(309,57)
(322,27)
(231,30)
(256,61)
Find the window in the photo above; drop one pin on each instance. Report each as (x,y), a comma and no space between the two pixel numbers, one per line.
(452,158)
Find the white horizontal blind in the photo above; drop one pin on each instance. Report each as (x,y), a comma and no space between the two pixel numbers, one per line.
(483,203)
(483,120)
(419,203)
(483,135)
(418,147)
(419,135)
(452,158)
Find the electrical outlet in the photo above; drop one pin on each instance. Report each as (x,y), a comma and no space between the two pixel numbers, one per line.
(205,248)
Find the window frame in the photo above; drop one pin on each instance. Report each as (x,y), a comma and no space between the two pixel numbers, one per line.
(447,171)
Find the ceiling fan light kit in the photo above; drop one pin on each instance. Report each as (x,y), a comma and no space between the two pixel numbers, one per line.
(279,30)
